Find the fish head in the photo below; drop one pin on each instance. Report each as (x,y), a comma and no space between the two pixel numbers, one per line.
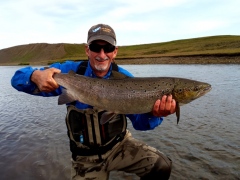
(187,90)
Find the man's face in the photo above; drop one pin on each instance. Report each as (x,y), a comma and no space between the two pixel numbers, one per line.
(101,54)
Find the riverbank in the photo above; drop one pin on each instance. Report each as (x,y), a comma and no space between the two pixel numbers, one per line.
(198,59)
(205,50)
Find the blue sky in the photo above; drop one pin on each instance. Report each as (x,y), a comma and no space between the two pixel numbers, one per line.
(134,21)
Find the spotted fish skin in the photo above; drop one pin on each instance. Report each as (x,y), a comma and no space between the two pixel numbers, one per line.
(127,95)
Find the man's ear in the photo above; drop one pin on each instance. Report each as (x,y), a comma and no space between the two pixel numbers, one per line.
(115,52)
(87,50)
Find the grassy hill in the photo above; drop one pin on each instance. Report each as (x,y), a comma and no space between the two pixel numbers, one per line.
(212,49)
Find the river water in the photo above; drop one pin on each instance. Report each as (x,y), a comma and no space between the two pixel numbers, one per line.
(204,145)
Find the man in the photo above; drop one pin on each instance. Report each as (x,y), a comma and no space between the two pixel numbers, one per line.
(98,149)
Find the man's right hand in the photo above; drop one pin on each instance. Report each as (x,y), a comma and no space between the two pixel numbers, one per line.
(44,79)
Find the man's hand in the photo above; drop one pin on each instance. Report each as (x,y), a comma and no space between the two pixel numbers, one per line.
(44,79)
(164,107)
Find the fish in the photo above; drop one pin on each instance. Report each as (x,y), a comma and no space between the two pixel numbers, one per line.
(121,94)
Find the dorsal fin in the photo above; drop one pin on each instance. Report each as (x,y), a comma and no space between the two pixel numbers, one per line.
(71,72)
(117,75)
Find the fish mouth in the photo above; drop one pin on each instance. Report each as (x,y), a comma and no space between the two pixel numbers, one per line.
(208,88)
(205,90)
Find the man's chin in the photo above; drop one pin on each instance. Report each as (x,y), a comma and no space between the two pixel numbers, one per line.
(101,67)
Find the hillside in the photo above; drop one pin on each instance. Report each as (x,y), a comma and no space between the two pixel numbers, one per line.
(213,49)
(40,53)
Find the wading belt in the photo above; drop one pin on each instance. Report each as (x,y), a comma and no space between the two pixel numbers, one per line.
(88,136)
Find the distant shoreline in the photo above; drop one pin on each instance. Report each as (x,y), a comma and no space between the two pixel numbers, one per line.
(196,59)
(224,49)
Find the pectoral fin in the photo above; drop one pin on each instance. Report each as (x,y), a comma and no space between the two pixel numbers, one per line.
(65,97)
(117,75)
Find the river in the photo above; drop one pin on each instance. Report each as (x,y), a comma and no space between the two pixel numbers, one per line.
(204,145)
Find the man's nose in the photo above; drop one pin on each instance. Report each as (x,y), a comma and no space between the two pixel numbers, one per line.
(102,53)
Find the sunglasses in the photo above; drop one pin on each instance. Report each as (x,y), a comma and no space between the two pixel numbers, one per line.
(107,48)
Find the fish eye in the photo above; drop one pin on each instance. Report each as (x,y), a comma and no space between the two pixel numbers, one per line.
(196,88)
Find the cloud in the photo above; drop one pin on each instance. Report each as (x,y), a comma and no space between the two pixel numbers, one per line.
(135,22)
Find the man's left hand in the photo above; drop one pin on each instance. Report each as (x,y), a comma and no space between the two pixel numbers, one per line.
(164,107)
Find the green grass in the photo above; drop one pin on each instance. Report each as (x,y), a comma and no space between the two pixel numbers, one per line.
(24,58)
(227,45)
(75,51)
(198,46)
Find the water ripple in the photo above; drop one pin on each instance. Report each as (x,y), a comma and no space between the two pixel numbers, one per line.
(204,145)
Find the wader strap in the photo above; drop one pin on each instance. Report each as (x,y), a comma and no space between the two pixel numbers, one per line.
(97,129)
(82,67)
(89,126)
(93,129)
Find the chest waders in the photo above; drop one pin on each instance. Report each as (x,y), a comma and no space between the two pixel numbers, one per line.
(87,136)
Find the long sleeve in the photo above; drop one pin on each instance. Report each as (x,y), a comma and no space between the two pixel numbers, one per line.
(144,121)
(21,80)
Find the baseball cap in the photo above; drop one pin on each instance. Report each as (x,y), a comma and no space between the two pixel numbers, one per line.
(101,32)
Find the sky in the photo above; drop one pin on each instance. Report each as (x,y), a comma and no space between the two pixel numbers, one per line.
(134,21)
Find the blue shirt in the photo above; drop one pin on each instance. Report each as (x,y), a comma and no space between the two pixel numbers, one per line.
(22,82)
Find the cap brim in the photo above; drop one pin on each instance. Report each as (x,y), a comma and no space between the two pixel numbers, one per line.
(102,37)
